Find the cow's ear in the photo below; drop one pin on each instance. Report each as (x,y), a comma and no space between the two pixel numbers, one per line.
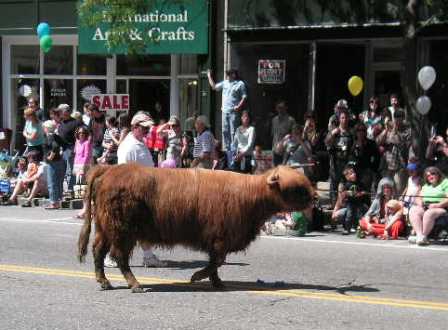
(273,180)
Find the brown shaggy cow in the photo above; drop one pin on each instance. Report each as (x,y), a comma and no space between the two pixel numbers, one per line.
(212,211)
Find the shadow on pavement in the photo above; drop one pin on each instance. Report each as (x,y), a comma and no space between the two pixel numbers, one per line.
(192,264)
(236,286)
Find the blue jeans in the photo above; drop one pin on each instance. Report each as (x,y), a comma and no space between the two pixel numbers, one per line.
(230,122)
(55,179)
(351,214)
(69,158)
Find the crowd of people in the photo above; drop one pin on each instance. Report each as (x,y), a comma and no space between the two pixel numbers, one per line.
(377,184)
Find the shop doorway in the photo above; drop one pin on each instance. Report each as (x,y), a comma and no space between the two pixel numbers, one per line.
(336,63)
(387,82)
(150,95)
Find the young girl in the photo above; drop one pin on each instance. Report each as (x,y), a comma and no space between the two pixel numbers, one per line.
(383,218)
(413,187)
(111,135)
(391,226)
(83,155)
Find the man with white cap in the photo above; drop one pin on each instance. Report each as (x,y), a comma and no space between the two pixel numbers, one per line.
(133,149)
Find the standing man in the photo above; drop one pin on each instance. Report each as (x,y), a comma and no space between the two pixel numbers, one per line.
(66,130)
(204,144)
(133,149)
(234,97)
(281,126)
(339,142)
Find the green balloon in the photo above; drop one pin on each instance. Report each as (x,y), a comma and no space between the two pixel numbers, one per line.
(46,42)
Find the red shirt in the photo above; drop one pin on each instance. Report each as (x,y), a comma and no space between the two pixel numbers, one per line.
(154,140)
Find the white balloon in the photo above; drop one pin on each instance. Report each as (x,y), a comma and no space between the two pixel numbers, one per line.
(423,105)
(426,77)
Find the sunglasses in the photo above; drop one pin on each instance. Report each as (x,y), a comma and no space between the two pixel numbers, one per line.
(431,174)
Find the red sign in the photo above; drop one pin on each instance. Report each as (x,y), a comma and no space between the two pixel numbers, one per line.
(107,102)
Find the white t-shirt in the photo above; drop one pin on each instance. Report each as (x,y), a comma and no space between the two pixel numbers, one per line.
(133,150)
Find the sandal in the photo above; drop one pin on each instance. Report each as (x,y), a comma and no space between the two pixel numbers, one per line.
(79,216)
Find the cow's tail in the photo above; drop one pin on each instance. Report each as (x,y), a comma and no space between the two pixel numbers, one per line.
(84,234)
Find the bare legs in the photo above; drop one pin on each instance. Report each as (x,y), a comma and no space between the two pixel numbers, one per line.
(423,221)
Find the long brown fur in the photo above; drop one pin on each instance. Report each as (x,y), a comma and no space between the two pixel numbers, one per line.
(213,211)
(83,240)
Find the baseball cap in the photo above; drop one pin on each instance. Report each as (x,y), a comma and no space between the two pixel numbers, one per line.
(341,104)
(142,119)
(63,107)
(412,167)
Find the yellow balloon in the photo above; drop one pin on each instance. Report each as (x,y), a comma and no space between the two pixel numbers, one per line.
(355,85)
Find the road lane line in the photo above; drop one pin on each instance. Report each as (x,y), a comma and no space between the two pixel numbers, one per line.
(293,293)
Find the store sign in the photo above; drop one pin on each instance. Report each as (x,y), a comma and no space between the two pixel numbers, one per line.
(170,28)
(107,102)
(271,71)
(58,92)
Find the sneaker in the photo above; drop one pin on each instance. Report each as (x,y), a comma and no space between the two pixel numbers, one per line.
(346,232)
(153,261)
(412,239)
(109,263)
(422,241)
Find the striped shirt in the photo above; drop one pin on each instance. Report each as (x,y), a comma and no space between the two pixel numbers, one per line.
(203,143)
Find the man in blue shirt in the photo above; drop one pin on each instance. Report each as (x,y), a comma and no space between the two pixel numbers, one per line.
(234,96)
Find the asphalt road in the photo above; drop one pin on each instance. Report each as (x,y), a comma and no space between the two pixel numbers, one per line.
(323,281)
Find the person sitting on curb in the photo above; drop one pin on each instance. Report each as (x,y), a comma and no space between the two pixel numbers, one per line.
(430,205)
(384,218)
(351,202)
(34,180)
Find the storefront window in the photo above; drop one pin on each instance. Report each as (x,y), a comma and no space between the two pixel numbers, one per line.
(25,59)
(121,86)
(59,61)
(57,91)
(438,93)
(21,90)
(188,94)
(87,88)
(336,63)
(147,65)
(94,65)
(289,82)
(188,64)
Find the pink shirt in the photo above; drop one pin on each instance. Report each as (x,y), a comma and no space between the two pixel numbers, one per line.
(83,152)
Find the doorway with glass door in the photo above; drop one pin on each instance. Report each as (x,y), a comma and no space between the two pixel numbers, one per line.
(151,95)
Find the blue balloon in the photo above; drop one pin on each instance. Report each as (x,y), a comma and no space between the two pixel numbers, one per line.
(43,29)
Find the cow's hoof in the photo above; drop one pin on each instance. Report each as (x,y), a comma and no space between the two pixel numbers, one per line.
(198,276)
(138,289)
(218,285)
(106,286)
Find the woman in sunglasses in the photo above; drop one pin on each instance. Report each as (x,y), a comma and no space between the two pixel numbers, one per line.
(430,205)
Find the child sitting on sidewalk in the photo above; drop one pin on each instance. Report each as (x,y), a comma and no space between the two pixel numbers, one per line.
(351,202)
(391,226)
